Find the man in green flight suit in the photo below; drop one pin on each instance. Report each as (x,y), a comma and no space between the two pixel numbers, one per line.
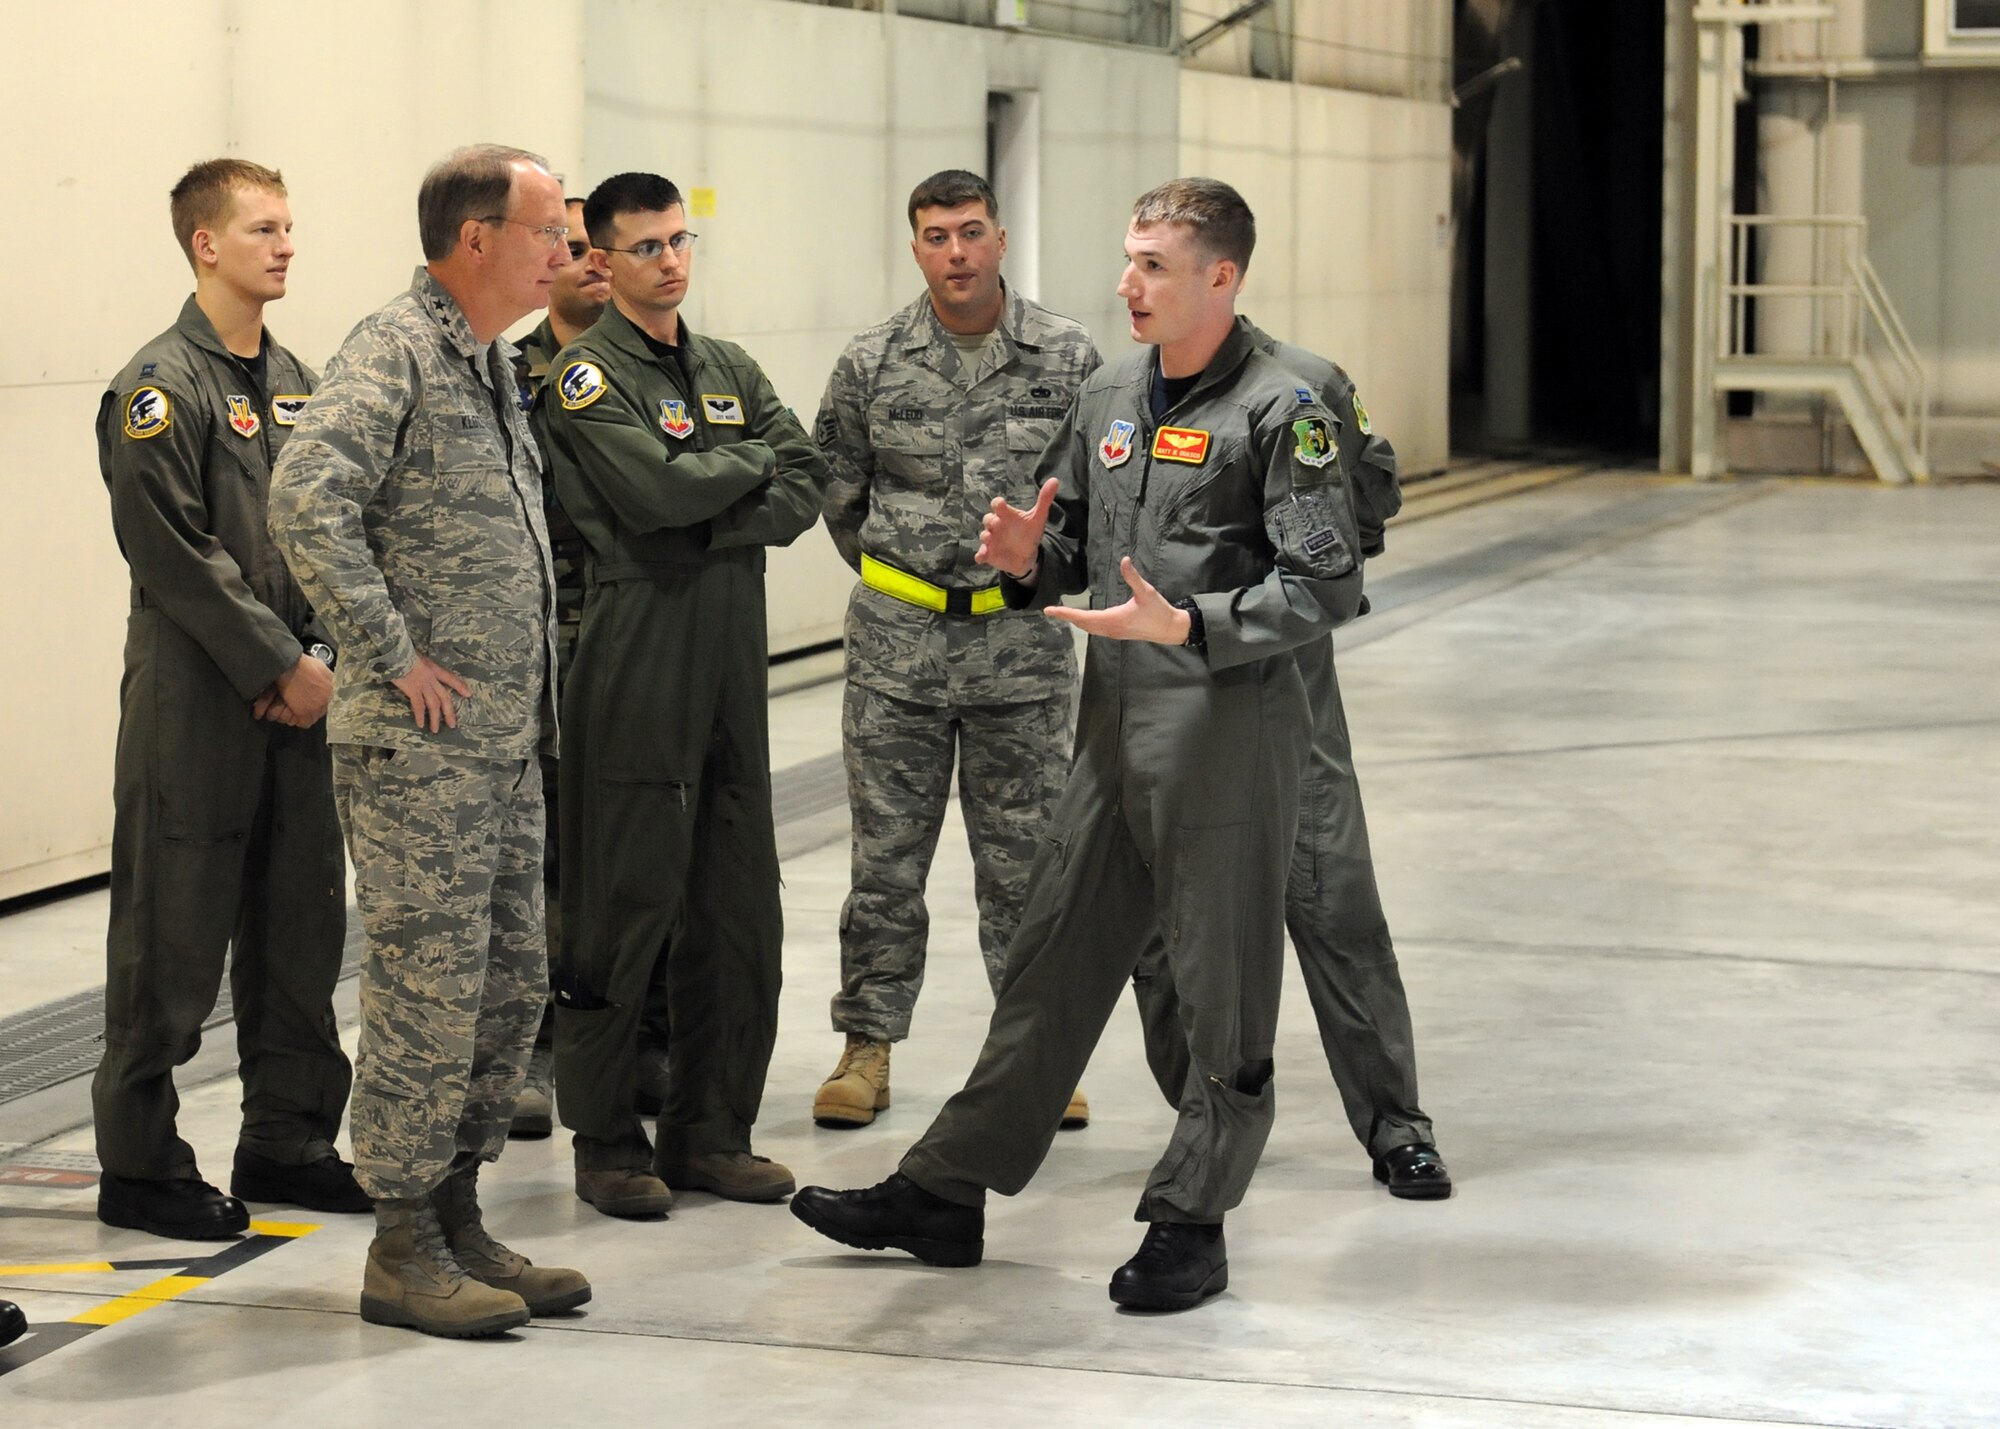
(225,838)
(1333,909)
(679,465)
(576,298)
(1191,494)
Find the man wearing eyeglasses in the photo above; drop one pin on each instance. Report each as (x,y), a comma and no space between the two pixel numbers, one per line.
(678,463)
(409,505)
(576,298)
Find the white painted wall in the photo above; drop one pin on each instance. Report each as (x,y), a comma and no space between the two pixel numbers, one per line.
(811,124)
(1852,122)
(108,104)
(1352,197)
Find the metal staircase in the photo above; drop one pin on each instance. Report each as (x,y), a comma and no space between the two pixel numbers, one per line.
(1832,331)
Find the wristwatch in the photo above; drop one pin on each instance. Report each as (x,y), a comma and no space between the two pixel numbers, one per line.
(322,652)
(1197,636)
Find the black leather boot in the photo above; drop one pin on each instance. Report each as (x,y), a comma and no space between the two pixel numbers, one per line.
(188,1209)
(1177,1267)
(896,1215)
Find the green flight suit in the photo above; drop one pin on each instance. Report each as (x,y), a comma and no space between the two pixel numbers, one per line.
(1333,909)
(1182,806)
(225,838)
(678,467)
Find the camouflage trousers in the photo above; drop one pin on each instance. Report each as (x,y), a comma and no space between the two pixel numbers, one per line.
(1333,912)
(447,857)
(1011,762)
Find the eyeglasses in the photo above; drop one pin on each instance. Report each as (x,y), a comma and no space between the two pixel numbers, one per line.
(648,250)
(553,234)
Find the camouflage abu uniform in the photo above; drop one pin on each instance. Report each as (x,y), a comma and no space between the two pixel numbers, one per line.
(1332,907)
(409,505)
(225,837)
(920,446)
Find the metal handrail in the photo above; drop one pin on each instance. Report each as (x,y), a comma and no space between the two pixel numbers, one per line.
(1841,311)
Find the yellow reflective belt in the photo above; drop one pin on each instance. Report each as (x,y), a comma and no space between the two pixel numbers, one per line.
(878,575)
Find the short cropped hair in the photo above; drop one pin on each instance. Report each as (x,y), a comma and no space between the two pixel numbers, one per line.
(949,188)
(473,182)
(625,193)
(202,197)
(1213,211)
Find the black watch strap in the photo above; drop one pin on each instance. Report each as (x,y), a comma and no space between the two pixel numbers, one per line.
(1197,636)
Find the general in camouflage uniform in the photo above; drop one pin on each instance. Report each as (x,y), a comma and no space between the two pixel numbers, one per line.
(1333,910)
(924,426)
(409,504)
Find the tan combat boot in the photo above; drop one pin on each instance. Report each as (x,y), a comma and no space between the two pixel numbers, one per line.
(1077,1113)
(413,1281)
(535,1104)
(859,1086)
(545,1289)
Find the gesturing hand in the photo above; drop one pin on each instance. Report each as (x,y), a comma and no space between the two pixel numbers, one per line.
(1010,538)
(1146,616)
(429,686)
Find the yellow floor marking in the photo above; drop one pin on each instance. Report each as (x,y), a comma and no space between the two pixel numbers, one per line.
(80,1267)
(139,1301)
(283,1228)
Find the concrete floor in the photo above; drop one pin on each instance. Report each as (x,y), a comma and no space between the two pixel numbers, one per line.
(1684,808)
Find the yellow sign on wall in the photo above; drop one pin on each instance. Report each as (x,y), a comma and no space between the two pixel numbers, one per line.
(701,203)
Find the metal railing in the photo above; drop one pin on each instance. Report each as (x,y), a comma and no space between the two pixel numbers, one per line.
(1848,314)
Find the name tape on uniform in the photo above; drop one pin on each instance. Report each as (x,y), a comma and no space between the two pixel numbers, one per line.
(1188,444)
(723,409)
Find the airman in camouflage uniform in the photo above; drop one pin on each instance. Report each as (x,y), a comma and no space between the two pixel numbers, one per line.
(409,504)
(1333,910)
(927,418)
(577,297)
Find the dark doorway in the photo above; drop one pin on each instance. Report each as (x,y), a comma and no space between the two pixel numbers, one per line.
(1556,301)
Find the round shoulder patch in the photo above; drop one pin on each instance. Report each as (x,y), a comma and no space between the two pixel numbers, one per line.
(581,384)
(147,413)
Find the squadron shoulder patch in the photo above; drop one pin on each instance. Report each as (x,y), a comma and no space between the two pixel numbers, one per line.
(147,413)
(1316,447)
(285,410)
(581,384)
(674,418)
(1361,415)
(243,418)
(722,409)
(1188,444)
(1116,448)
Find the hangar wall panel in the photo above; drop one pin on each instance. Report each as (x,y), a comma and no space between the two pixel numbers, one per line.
(1352,195)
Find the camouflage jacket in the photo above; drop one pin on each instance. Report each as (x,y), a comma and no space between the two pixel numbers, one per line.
(409,504)
(662,460)
(185,440)
(537,353)
(919,448)
(1366,460)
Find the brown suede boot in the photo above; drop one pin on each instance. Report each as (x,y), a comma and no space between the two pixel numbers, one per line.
(414,1282)
(545,1289)
(859,1086)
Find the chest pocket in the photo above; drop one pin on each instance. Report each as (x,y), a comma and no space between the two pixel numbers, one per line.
(468,453)
(909,445)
